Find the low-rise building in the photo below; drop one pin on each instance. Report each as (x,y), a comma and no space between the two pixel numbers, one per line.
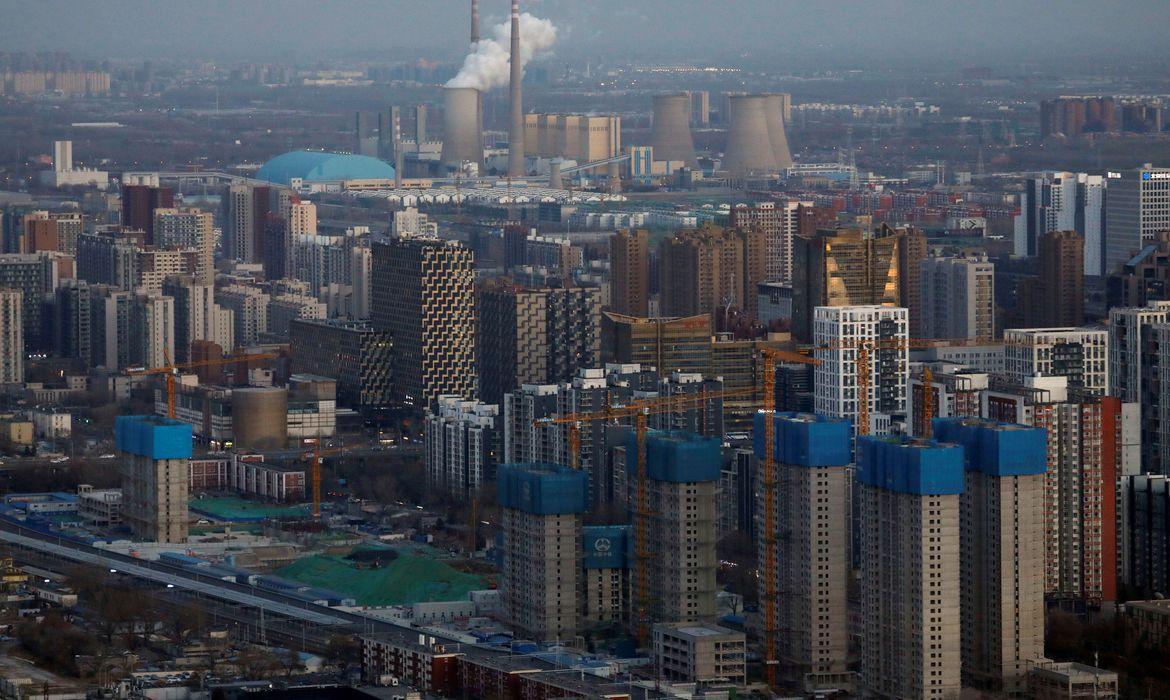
(704,654)
(99,506)
(1070,680)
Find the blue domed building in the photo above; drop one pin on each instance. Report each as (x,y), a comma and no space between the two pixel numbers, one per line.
(321,166)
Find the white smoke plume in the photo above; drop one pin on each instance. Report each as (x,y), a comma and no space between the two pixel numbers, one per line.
(487,65)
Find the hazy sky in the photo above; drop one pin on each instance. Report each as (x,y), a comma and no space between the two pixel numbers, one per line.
(873,31)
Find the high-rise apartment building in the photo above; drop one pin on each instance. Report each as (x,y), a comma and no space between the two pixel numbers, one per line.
(72,319)
(909,509)
(283,309)
(1146,537)
(1002,550)
(156,455)
(1060,298)
(682,471)
(958,298)
(669,344)
(188,228)
(629,260)
(840,334)
(1081,354)
(1144,279)
(359,357)
(1139,355)
(11,336)
(424,294)
(526,439)
(540,512)
(1071,116)
(706,269)
(781,223)
(197,316)
(152,330)
(1138,209)
(249,307)
(1090,446)
(854,267)
(245,217)
(139,203)
(534,336)
(811,541)
(1061,201)
(35,275)
(464,443)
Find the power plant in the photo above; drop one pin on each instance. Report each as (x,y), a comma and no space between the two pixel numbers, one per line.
(670,136)
(516,123)
(462,127)
(776,131)
(749,145)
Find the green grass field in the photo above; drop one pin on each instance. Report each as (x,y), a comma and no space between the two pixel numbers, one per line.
(408,579)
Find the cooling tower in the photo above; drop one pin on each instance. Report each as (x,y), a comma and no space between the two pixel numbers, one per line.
(462,127)
(749,149)
(776,131)
(516,121)
(671,133)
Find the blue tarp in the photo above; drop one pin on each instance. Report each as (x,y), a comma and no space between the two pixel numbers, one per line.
(905,465)
(543,489)
(153,437)
(806,439)
(676,456)
(997,449)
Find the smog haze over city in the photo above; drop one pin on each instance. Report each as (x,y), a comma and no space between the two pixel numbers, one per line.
(638,350)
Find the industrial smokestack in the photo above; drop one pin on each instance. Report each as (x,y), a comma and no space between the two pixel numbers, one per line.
(670,136)
(554,174)
(462,127)
(474,22)
(420,126)
(776,131)
(749,148)
(516,124)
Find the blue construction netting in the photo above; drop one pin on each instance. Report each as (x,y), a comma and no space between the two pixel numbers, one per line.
(905,465)
(543,489)
(605,546)
(807,439)
(996,449)
(677,456)
(153,437)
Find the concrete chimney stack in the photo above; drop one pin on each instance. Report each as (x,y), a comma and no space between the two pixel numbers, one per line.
(776,132)
(749,148)
(462,127)
(670,136)
(474,22)
(516,123)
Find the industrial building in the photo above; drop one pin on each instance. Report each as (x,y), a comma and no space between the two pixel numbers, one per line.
(579,137)
(541,507)
(811,545)
(155,454)
(671,135)
(1002,557)
(909,513)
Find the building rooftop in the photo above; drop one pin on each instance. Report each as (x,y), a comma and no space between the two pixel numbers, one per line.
(317,166)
